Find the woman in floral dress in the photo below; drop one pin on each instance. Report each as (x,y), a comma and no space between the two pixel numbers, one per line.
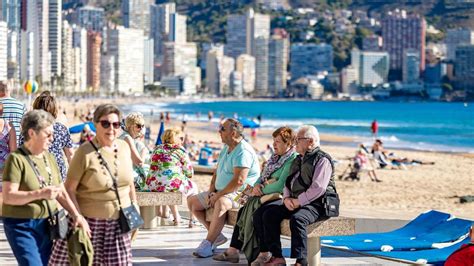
(171,170)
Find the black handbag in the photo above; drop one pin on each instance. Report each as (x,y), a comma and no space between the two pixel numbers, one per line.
(331,204)
(129,218)
(58,222)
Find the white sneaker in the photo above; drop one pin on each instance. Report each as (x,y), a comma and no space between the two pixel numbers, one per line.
(204,250)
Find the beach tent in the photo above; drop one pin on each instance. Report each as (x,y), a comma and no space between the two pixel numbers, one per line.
(78,128)
(247,123)
(160,133)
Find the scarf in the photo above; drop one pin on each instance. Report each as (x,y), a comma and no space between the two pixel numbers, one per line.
(274,163)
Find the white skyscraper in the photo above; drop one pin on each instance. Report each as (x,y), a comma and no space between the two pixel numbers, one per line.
(148,60)
(136,14)
(27,55)
(219,69)
(13,55)
(372,67)
(278,62)
(177,28)
(67,57)
(55,24)
(180,59)
(79,44)
(128,54)
(245,64)
(107,73)
(3,50)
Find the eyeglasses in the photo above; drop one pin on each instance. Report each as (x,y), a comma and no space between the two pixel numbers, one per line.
(106,124)
(221,128)
(298,139)
(181,138)
(140,126)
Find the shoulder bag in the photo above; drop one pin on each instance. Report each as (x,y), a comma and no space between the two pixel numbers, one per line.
(129,218)
(58,222)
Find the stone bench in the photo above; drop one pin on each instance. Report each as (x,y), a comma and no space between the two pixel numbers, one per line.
(333,227)
(149,200)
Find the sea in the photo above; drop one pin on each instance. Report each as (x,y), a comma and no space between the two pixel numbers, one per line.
(426,126)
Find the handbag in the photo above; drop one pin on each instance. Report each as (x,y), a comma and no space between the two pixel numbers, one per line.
(331,204)
(58,222)
(270,197)
(129,218)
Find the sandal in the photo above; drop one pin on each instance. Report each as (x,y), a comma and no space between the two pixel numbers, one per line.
(192,223)
(175,222)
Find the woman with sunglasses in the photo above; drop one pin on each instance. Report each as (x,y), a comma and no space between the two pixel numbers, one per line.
(90,184)
(134,126)
(171,170)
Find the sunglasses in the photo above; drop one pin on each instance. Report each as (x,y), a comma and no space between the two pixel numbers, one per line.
(221,128)
(140,126)
(106,124)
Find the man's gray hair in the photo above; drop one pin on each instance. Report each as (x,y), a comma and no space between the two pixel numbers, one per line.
(310,132)
(236,125)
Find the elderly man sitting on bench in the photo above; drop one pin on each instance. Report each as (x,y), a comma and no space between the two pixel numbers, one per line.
(237,166)
(310,177)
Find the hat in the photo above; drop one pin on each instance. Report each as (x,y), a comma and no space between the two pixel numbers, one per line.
(80,249)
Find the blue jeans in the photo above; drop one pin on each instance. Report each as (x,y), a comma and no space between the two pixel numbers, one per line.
(29,240)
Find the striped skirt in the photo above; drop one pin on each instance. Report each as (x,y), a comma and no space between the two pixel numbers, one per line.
(110,246)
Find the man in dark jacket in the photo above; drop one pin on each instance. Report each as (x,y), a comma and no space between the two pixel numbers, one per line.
(311,175)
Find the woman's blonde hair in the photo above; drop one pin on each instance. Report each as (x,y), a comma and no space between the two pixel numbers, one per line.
(170,134)
(133,119)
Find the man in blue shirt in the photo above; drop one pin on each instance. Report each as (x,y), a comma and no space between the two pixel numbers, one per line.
(13,110)
(237,166)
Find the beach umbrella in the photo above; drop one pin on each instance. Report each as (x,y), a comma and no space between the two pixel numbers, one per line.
(160,133)
(30,87)
(247,123)
(78,128)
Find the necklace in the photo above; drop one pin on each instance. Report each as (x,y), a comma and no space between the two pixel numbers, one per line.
(104,165)
(48,170)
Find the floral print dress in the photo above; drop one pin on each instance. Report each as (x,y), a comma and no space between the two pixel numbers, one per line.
(170,170)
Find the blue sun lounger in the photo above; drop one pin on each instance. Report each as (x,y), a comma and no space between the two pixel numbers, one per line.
(424,232)
(426,256)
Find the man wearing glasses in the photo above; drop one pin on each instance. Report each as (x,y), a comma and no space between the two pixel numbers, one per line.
(237,166)
(311,175)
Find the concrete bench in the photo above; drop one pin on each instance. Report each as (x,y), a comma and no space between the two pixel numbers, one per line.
(149,200)
(332,227)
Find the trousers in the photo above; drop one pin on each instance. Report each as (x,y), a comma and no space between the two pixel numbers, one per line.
(29,240)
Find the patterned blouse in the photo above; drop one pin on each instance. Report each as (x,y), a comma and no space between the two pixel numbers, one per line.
(170,170)
(61,139)
(4,144)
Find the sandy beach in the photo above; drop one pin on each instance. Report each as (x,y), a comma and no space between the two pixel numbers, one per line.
(402,195)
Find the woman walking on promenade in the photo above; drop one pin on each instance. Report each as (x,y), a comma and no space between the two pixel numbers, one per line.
(27,196)
(266,193)
(62,141)
(91,188)
(171,170)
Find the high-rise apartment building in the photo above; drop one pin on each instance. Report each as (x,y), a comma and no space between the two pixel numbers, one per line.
(464,67)
(91,18)
(411,66)
(55,24)
(136,14)
(160,25)
(3,50)
(79,46)
(177,28)
(218,73)
(371,67)
(400,32)
(148,61)
(13,55)
(67,56)
(278,62)
(238,35)
(309,59)
(128,54)
(94,41)
(349,80)
(245,65)
(27,56)
(11,13)
(456,37)
(180,59)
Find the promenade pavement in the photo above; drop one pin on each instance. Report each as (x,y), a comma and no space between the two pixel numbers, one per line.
(173,245)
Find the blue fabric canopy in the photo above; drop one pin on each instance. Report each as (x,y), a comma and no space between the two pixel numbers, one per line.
(78,128)
(247,123)
(160,133)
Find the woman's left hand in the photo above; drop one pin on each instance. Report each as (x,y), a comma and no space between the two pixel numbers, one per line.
(257,190)
(81,222)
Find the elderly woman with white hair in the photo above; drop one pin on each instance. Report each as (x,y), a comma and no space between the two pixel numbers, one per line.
(310,177)
(134,125)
